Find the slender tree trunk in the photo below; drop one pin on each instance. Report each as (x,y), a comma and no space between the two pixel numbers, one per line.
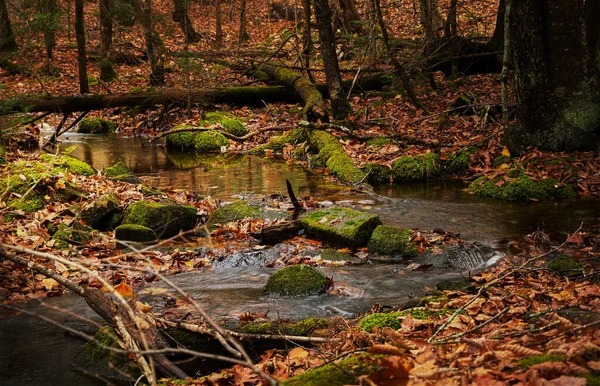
(154,44)
(48,9)
(126,12)
(84,88)
(307,44)
(339,103)
(218,24)
(557,91)
(496,42)
(243,35)
(7,39)
(505,60)
(348,15)
(107,71)
(592,30)
(181,16)
(430,20)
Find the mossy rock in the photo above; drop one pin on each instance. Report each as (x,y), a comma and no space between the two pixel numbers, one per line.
(204,141)
(68,163)
(240,210)
(387,240)
(117,169)
(344,226)
(380,320)
(538,359)
(502,160)
(423,313)
(564,264)
(418,168)
(277,144)
(76,233)
(458,163)
(181,141)
(453,285)
(296,280)
(98,213)
(95,125)
(97,359)
(436,297)
(135,233)
(167,220)
(377,174)
(521,188)
(334,156)
(344,372)
(230,124)
(300,328)
(335,255)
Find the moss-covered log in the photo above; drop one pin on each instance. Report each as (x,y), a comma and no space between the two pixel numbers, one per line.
(332,154)
(314,106)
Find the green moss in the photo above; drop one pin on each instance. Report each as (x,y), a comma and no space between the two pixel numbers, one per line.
(502,160)
(117,169)
(300,328)
(521,188)
(77,233)
(377,174)
(305,326)
(344,226)
(107,71)
(436,297)
(181,141)
(296,280)
(344,372)
(134,232)
(230,124)
(423,313)
(332,153)
(380,320)
(97,213)
(240,210)
(564,264)
(207,141)
(379,141)
(277,144)
(66,163)
(419,168)
(537,359)
(166,220)
(459,162)
(95,125)
(387,240)
(592,379)
(334,255)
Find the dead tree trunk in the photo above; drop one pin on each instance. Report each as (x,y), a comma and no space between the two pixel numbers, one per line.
(84,88)
(107,71)
(181,16)
(339,103)
(7,39)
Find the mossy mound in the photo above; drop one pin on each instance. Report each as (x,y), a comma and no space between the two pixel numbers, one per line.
(344,372)
(458,163)
(240,210)
(423,313)
(98,214)
(68,164)
(76,233)
(335,255)
(277,144)
(166,220)
(564,264)
(135,233)
(118,169)
(380,320)
(300,328)
(378,142)
(204,141)
(377,174)
(436,297)
(537,359)
(230,124)
(95,125)
(333,155)
(418,168)
(387,240)
(96,359)
(344,226)
(521,188)
(296,280)
(501,160)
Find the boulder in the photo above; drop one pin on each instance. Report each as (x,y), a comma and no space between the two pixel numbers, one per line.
(390,241)
(166,220)
(296,280)
(419,168)
(98,214)
(76,233)
(344,226)
(135,233)
(240,210)
(96,125)
(337,256)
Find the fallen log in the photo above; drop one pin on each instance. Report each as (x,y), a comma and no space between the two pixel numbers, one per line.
(243,96)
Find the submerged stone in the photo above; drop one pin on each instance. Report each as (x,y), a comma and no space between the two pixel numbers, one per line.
(520,187)
(135,233)
(166,220)
(418,168)
(387,240)
(344,226)
(98,213)
(452,285)
(296,280)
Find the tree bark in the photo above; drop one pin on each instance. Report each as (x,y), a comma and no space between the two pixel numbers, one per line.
(430,20)
(48,9)
(7,39)
(181,16)
(346,13)
(107,71)
(243,34)
(496,42)
(154,44)
(218,24)
(557,91)
(339,103)
(592,29)
(84,88)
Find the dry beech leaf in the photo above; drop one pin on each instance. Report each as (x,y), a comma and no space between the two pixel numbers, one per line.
(124,290)
(385,349)
(520,350)
(50,284)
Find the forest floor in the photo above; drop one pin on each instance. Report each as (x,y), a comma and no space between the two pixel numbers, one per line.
(518,323)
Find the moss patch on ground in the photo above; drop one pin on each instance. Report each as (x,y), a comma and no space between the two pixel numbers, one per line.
(333,155)
(458,163)
(537,359)
(230,123)
(296,280)
(76,233)
(277,144)
(564,264)
(387,240)
(167,220)
(116,170)
(300,328)
(380,320)
(135,233)
(418,168)
(95,125)
(520,187)
(344,226)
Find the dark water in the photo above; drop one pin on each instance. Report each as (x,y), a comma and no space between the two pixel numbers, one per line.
(34,352)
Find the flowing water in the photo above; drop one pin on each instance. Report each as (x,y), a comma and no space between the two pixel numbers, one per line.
(34,352)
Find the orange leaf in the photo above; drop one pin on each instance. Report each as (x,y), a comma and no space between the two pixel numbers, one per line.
(124,290)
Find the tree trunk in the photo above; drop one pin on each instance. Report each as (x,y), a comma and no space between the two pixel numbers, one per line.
(181,16)
(126,13)
(307,44)
(496,42)
(154,44)
(592,29)
(430,20)
(7,39)
(347,14)
(107,71)
(48,9)
(339,103)
(80,38)
(218,24)
(557,90)
(243,35)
